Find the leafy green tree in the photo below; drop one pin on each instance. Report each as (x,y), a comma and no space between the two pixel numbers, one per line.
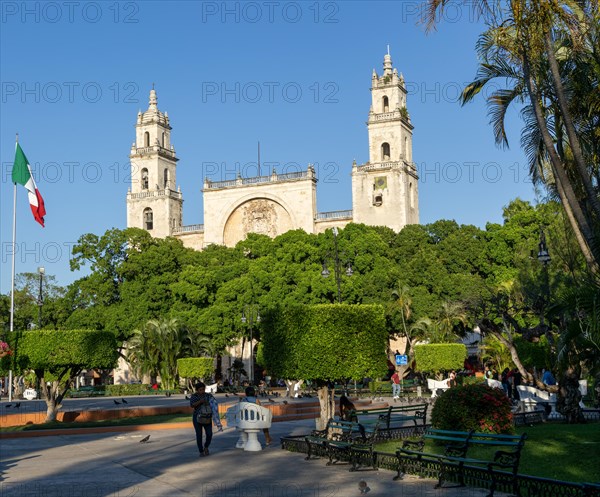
(325,343)
(129,283)
(59,356)
(27,304)
(195,368)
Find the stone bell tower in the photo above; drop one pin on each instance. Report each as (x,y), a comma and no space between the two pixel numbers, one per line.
(152,201)
(385,189)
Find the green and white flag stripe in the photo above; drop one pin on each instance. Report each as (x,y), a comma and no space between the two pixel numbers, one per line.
(21,173)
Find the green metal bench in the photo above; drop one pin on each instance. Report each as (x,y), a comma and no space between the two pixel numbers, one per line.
(84,392)
(344,440)
(391,415)
(456,454)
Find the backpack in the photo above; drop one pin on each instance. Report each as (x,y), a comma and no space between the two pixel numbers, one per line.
(204,412)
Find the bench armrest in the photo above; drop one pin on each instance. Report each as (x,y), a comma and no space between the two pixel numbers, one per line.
(456,450)
(506,459)
(413,444)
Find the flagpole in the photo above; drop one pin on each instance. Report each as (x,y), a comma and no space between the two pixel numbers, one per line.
(12,282)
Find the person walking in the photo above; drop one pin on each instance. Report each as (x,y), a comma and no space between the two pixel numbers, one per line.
(251,397)
(206,411)
(395,379)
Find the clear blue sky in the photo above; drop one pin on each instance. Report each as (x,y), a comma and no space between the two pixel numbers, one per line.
(294,75)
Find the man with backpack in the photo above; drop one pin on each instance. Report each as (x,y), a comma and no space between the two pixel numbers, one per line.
(206,410)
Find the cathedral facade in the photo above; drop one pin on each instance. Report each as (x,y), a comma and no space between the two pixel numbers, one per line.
(384,190)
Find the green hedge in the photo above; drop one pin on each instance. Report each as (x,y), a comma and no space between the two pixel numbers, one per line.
(194,368)
(438,357)
(122,390)
(325,342)
(112,390)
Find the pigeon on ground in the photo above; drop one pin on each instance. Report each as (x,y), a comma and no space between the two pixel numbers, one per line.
(363,487)
(145,439)
(17,405)
(124,401)
(116,401)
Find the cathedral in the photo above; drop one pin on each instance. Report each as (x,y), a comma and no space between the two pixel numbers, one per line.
(384,190)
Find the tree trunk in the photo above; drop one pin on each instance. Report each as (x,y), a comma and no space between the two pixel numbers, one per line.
(50,394)
(584,174)
(569,396)
(579,222)
(53,394)
(290,384)
(327,404)
(487,327)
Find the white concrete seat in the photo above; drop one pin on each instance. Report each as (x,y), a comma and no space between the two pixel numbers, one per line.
(531,396)
(435,385)
(249,419)
(494,383)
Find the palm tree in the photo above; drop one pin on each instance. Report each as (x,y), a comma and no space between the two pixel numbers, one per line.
(494,351)
(403,303)
(452,316)
(154,349)
(417,332)
(526,43)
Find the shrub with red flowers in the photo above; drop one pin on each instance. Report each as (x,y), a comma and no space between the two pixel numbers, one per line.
(4,349)
(473,407)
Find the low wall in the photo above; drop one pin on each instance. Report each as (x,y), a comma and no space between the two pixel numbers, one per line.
(281,412)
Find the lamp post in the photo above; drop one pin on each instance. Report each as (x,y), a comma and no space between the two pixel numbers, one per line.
(337,266)
(40,302)
(544,258)
(251,315)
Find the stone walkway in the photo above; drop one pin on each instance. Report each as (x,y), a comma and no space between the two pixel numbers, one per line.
(117,464)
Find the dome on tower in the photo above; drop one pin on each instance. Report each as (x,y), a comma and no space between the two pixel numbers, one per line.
(153,115)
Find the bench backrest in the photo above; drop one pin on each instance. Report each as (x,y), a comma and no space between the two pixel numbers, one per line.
(497,439)
(381,411)
(454,437)
(348,430)
(386,413)
(434,384)
(405,409)
(527,392)
(476,438)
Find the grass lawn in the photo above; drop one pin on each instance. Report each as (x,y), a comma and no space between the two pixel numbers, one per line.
(552,450)
(142,420)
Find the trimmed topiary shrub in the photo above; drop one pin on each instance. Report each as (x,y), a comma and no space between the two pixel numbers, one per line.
(437,357)
(473,407)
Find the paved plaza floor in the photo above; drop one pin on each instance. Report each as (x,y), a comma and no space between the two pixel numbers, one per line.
(118,465)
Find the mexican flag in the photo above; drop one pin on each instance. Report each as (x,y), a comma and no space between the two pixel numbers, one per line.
(21,174)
